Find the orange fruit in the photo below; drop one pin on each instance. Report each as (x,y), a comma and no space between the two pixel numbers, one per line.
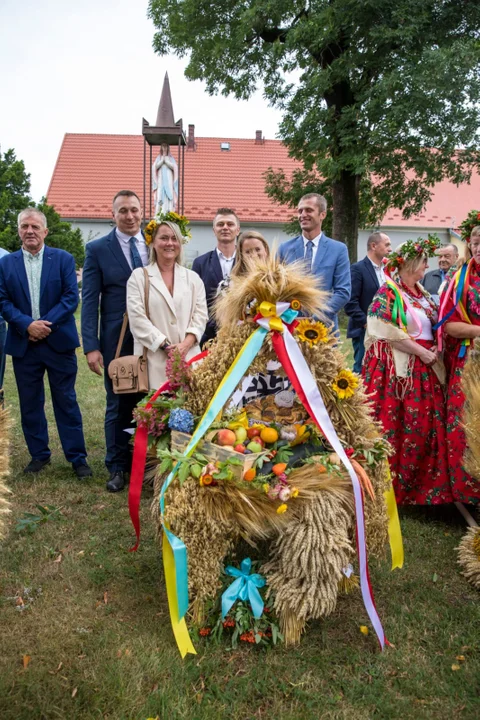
(249,474)
(269,435)
(279,468)
(321,468)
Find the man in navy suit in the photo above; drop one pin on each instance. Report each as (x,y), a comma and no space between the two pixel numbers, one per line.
(38,297)
(432,281)
(324,257)
(109,262)
(216,265)
(367,277)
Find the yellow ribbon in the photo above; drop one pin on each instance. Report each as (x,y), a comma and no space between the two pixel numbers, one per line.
(394,530)
(269,310)
(179,627)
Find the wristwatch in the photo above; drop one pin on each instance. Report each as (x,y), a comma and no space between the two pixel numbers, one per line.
(165,344)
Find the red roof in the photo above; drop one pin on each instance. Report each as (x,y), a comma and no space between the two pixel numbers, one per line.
(90,169)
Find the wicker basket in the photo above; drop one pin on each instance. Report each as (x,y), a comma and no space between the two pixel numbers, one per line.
(180,440)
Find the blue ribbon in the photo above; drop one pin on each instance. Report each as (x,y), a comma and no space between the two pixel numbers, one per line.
(243,588)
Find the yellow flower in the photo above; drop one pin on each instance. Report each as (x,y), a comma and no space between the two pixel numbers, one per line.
(312,332)
(282,509)
(345,384)
(149,230)
(265,487)
(302,435)
(364,629)
(295,304)
(295,492)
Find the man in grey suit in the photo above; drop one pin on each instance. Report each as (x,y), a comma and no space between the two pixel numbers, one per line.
(447,258)
(324,257)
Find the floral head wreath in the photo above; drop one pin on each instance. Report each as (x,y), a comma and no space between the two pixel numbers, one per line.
(172,217)
(412,249)
(471,221)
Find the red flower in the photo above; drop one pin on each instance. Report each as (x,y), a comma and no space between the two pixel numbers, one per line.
(349,452)
(478,216)
(248,637)
(205,631)
(229,623)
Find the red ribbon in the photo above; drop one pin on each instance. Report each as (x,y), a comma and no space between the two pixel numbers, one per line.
(140,457)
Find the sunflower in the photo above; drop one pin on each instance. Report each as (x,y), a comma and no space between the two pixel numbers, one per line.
(149,230)
(312,332)
(345,384)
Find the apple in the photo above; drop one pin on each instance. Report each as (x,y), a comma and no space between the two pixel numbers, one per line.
(239,448)
(253,432)
(241,434)
(226,437)
(254,447)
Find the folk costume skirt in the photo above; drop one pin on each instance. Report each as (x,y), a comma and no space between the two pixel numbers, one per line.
(412,412)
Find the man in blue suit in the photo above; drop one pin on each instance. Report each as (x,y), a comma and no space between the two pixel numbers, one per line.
(324,257)
(108,265)
(367,277)
(38,297)
(216,265)
(3,337)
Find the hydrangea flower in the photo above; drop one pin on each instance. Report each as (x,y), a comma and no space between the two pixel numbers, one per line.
(181,420)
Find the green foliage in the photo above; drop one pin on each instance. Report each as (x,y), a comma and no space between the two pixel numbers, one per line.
(61,235)
(31,521)
(14,197)
(376,89)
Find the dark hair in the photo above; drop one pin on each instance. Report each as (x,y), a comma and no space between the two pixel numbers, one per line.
(227,211)
(374,238)
(126,193)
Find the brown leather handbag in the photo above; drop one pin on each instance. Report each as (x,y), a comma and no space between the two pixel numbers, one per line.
(129,374)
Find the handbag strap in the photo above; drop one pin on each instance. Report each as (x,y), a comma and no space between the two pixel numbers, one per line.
(125,317)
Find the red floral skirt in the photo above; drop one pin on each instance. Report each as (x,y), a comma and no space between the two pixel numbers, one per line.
(464,487)
(413,417)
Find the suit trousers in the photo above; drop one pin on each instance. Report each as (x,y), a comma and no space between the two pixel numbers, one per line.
(61,369)
(358,352)
(3,337)
(118,418)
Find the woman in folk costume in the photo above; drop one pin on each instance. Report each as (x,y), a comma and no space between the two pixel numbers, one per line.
(404,375)
(177,305)
(460,314)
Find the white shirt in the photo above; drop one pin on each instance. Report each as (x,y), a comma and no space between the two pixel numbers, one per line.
(226,263)
(315,241)
(424,320)
(124,241)
(378,272)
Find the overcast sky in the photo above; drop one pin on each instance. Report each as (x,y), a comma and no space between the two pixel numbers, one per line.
(88,67)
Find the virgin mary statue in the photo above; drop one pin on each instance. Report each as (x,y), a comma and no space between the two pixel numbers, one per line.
(165,181)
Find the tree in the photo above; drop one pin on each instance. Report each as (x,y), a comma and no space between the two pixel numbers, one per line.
(61,235)
(379,97)
(15,196)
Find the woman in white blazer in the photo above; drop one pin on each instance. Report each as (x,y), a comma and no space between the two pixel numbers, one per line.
(177,304)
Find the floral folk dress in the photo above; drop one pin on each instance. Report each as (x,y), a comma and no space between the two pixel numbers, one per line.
(411,407)
(465,488)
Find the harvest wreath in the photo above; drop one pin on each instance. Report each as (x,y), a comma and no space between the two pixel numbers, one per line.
(269,438)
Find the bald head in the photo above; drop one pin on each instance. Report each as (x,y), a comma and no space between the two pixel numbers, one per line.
(379,246)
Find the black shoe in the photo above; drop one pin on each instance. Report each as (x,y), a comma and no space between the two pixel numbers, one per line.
(34,466)
(82,471)
(117,481)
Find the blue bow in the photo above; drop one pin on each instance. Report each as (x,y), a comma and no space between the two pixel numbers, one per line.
(243,588)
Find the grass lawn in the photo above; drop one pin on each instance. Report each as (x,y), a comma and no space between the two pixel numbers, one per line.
(92,638)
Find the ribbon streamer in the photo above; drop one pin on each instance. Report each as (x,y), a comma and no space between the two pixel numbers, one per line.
(245,587)
(394,530)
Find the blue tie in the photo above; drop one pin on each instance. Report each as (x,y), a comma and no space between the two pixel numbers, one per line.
(134,254)
(309,254)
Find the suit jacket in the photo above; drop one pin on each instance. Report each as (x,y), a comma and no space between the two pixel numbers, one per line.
(364,286)
(432,281)
(58,300)
(170,317)
(104,282)
(331,266)
(208,267)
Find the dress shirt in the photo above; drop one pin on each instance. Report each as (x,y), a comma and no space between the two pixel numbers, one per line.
(124,241)
(33,268)
(315,241)
(225,263)
(378,272)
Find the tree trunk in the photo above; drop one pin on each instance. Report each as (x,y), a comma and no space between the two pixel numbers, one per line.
(345,195)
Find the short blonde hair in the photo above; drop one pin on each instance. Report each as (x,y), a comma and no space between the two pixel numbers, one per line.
(176,230)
